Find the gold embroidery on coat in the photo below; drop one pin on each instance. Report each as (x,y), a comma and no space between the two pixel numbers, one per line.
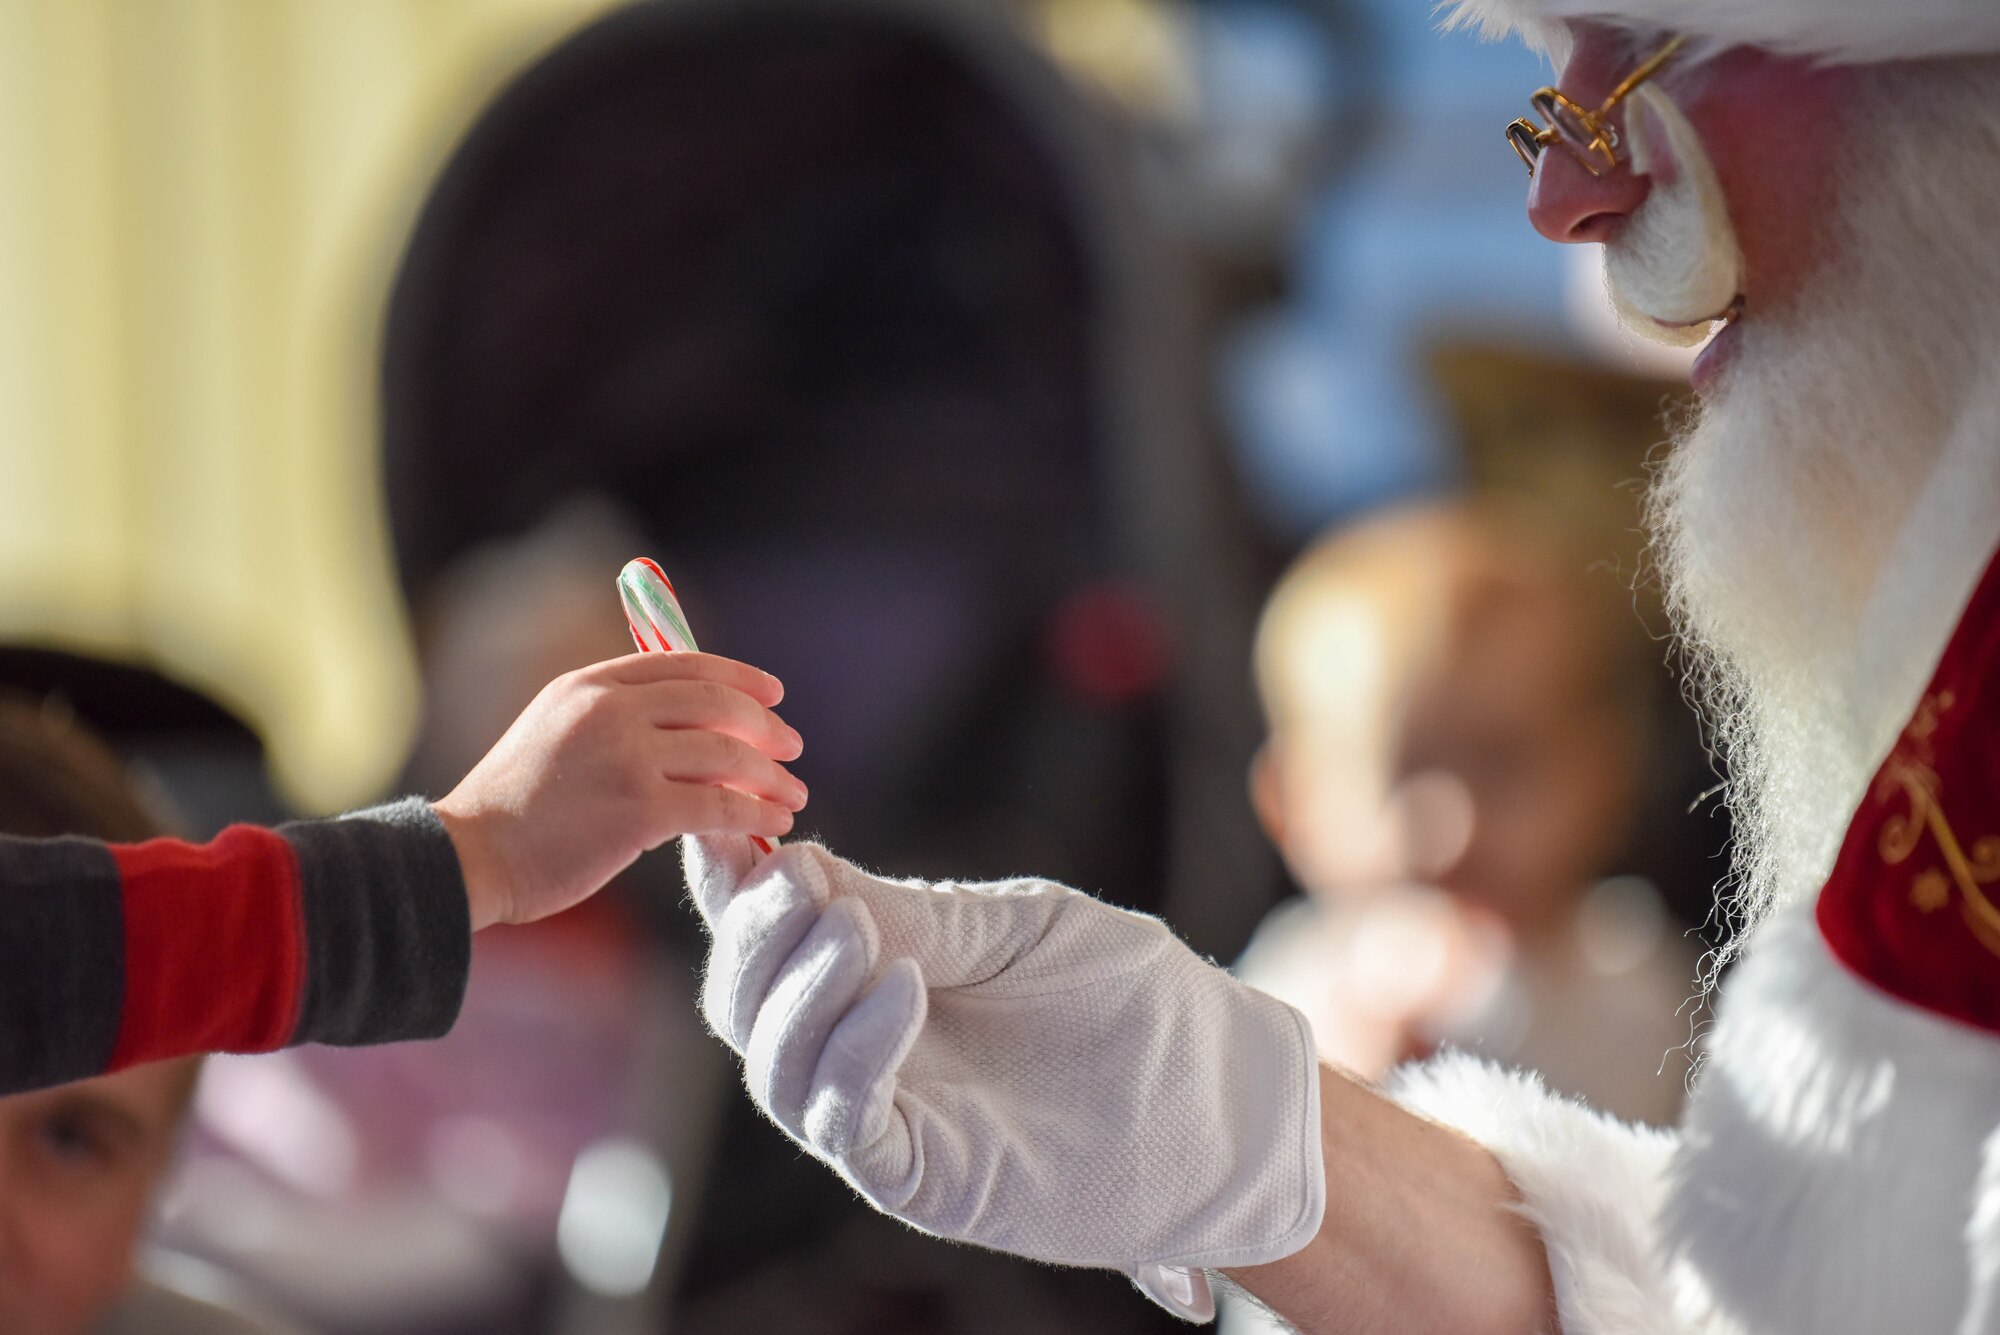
(1912,768)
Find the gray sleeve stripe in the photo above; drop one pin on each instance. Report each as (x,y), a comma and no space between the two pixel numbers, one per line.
(388,932)
(62,960)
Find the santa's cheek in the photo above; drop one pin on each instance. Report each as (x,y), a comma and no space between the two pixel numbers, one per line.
(1779,202)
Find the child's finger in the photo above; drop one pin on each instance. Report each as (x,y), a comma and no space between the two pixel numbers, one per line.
(642,669)
(719,708)
(700,808)
(692,755)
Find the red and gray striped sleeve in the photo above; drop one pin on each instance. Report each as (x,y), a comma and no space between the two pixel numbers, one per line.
(346,931)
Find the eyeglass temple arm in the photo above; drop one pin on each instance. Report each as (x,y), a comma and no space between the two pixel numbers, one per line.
(1643,73)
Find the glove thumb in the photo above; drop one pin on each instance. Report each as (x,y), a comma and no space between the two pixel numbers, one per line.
(715,866)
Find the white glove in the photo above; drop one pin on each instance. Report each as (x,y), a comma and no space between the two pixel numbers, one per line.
(1031,1069)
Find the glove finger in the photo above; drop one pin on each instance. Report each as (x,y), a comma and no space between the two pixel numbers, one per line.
(977,935)
(810,994)
(981,935)
(715,866)
(956,934)
(854,1085)
(756,932)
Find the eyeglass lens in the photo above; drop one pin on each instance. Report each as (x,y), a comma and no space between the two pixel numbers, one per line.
(1592,140)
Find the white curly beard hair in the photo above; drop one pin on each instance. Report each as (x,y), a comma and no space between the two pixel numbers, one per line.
(1820,522)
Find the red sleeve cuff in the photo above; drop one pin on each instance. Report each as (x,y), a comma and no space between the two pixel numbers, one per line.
(214,946)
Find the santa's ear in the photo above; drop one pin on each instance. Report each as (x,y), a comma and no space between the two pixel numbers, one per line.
(1267,793)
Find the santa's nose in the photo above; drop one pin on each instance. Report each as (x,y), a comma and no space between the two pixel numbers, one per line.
(1567,203)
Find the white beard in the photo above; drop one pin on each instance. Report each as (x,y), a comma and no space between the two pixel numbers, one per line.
(1820,523)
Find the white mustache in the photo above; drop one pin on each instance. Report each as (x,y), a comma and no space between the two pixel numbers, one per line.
(1675,264)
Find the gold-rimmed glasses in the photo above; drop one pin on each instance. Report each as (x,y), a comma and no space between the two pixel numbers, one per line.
(1589,135)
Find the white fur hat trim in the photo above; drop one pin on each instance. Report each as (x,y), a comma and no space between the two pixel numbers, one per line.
(1844,31)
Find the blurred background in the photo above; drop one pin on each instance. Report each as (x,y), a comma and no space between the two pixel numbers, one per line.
(979,368)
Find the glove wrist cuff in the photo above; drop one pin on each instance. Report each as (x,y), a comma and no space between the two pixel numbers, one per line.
(1182,1285)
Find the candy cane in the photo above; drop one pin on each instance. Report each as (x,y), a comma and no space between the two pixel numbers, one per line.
(658,626)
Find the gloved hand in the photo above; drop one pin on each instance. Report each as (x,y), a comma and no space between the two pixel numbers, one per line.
(1016,1064)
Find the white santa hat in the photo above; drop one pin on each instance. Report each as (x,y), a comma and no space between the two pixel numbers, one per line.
(1844,31)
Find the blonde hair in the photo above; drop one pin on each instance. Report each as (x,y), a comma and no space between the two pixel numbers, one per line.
(1369,606)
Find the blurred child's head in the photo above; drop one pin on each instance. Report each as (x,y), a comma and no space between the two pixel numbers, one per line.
(78,1162)
(1454,702)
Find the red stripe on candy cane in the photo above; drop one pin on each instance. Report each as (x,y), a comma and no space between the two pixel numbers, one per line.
(654,566)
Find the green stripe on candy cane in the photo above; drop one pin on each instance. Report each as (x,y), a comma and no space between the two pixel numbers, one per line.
(643,582)
(648,598)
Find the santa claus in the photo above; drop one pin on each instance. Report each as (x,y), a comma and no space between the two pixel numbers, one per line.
(1813,187)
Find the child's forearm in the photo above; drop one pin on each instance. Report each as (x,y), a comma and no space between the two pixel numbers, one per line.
(341,931)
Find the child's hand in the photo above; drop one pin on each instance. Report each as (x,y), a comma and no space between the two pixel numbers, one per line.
(1399,970)
(609,761)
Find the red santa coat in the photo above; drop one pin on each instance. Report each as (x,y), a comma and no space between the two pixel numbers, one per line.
(1838,1168)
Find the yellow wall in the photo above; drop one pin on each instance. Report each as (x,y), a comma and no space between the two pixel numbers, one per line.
(201,203)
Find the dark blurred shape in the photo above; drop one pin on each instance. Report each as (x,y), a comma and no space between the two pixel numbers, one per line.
(202,763)
(118,699)
(57,778)
(850,313)
(790,267)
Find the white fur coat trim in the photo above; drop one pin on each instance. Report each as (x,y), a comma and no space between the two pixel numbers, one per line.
(1837,1170)
(1592,1185)
(1846,31)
